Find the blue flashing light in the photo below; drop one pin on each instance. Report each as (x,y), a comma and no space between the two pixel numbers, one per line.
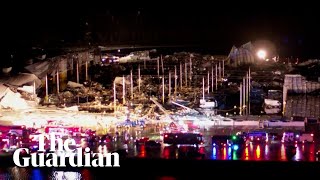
(214,152)
(235,147)
(229,151)
(214,144)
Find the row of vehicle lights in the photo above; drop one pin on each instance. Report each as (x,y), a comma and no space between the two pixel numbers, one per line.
(297,136)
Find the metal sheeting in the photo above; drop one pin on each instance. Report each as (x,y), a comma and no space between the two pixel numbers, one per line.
(3,90)
(303,106)
(242,55)
(13,101)
(22,79)
(298,84)
(63,63)
(41,69)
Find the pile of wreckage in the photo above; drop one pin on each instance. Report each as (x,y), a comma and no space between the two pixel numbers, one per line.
(86,95)
(92,97)
(19,92)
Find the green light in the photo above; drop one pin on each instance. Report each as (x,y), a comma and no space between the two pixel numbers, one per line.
(234,137)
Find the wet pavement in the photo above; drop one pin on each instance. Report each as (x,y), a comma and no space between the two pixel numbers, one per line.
(272,151)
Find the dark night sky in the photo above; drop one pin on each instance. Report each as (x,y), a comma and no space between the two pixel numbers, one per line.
(294,31)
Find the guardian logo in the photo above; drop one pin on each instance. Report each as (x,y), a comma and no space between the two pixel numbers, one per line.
(77,157)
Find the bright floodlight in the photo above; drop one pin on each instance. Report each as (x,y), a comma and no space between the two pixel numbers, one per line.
(261,54)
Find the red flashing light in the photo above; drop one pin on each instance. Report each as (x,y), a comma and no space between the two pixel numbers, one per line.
(312,135)
(166,135)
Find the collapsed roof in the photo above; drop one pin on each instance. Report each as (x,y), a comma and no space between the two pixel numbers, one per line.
(21,79)
(13,100)
(242,55)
